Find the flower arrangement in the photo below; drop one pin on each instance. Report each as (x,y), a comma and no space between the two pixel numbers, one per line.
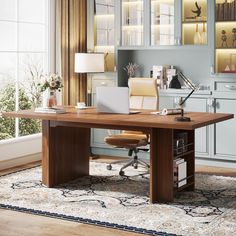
(131,68)
(52,81)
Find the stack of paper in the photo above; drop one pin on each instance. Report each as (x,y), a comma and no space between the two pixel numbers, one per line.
(54,110)
(180,172)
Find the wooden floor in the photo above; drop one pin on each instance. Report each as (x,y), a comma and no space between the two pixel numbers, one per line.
(15,223)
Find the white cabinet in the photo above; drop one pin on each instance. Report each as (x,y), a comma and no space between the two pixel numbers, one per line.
(108,80)
(225,132)
(201,135)
(196,104)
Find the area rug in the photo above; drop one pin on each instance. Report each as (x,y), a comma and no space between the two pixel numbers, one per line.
(106,199)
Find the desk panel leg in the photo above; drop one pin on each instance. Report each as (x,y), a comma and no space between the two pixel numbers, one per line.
(161,165)
(65,153)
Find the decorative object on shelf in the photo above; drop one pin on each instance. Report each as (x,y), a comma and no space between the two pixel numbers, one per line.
(204,35)
(197,36)
(174,83)
(49,85)
(224,39)
(233,62)
(227,69)
(234,37)
(198,11)
(131,68)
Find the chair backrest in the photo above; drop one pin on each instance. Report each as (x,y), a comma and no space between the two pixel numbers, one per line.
(143,93)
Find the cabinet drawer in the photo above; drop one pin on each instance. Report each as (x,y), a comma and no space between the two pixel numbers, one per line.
(226,86)
(103,82)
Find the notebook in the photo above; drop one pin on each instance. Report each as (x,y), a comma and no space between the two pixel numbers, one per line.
(113,100)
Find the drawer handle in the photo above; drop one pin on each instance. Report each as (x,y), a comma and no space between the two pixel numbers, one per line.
(230,87)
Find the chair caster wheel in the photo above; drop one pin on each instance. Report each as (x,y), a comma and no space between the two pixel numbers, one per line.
(109,167)
(121,173)
(135,166)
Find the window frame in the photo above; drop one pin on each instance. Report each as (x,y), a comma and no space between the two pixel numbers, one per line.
(32,144)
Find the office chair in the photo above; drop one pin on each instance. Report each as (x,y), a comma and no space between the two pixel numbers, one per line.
(143,95)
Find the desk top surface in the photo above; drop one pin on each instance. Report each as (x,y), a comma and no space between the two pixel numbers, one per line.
(90,118)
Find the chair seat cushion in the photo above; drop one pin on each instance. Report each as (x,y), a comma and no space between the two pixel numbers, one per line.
(127,140)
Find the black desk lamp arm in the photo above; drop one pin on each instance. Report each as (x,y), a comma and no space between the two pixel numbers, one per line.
(185,99)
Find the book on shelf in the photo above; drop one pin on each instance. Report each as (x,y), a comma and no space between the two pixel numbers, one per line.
(180,172)
(232,9)
(217,11)
(53,110)
(226,10)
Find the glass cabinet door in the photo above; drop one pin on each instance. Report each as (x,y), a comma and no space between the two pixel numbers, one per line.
(194,22)
(162,22)
(132,22)
(225,36)
(104,40)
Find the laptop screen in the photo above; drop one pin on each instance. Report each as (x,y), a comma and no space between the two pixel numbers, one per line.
(113,99)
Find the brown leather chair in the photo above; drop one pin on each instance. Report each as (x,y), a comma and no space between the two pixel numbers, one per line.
(143,95)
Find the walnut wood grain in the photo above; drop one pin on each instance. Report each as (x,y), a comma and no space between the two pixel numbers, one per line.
(65,153)
(161,165)
(144,119)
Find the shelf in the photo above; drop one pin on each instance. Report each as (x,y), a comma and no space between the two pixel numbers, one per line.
(228,48)
(226,21)
(194,22)
(183,154)
(185,186)
(132,26)
(101,16)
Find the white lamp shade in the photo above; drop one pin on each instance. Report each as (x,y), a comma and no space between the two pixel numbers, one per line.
(89,62)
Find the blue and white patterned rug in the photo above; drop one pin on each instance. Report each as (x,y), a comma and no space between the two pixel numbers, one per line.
(106,199)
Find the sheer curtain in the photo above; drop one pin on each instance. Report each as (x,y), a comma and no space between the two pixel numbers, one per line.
(71,37)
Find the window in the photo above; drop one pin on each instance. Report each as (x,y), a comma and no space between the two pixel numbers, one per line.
(23,59)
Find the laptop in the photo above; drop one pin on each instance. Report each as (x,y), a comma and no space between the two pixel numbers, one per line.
(113,100)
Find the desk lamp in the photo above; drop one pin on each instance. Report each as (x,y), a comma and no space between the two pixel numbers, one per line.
(89,63)
(189,83)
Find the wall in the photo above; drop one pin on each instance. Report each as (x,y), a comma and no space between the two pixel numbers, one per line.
(194,63)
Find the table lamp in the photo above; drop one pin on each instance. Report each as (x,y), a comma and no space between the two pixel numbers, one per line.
(89,63)
(193,88)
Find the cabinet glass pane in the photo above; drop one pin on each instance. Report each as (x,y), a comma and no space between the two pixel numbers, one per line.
(194,22)
(104,40)
(132,22)
(162,22)
(225,35)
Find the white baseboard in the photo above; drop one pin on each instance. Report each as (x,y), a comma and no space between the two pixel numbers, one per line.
(19,161)
(215,163)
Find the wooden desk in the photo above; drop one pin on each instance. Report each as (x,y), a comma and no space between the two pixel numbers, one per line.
(66,144)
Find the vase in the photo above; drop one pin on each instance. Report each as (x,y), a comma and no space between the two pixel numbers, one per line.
(197,36)
(49,98)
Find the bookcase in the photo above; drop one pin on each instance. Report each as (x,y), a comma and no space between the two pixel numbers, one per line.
(225,36)
(183,156)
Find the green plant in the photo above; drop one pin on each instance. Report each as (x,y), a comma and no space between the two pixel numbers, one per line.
(7,103)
